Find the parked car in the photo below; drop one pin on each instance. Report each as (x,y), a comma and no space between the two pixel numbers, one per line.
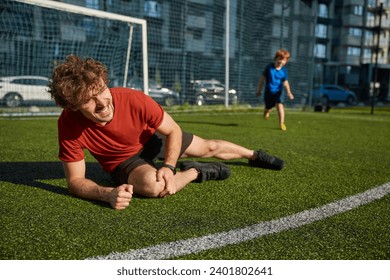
(162,95)
(18,90)
(327,94)
(210,91)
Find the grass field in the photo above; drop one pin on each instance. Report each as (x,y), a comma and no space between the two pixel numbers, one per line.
(329,157)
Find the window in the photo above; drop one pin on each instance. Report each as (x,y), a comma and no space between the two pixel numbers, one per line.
(50,28)
(93,4)
(358,10)
(367,54)
(321,31)
(89,24)
(370,19)
(353,51)
(369,40)
(39,82)
(152,9)
(320,51)
(90,27)
(21,82)
(175,30)
(375,3)
(323,11)
(353,31)
(281,7)
(370,16)
(197,34)
(371,3)
(369,34)
(31,81)
(195,10)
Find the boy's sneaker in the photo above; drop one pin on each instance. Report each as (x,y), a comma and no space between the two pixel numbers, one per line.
(266,115)
(207,171)
(283,127)
(264,160)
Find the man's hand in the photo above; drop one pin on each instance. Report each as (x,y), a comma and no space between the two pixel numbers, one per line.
(165,174)
(120,197)
(290,95)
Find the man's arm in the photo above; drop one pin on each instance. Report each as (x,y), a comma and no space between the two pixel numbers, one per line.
(78,185)
(173,132)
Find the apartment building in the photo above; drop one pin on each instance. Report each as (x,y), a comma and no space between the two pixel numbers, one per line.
(352,46)
(344,42)
(331,41)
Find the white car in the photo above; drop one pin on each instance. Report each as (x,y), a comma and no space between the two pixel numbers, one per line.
(18,90)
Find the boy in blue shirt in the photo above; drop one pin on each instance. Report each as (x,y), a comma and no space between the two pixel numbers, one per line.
(275,78)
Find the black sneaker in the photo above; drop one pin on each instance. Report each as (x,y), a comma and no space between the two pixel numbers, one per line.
(264,160)
(207,171)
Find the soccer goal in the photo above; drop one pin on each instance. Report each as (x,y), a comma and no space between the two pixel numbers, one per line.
(36,34)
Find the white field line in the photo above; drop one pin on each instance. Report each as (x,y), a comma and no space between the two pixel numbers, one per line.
(198,244)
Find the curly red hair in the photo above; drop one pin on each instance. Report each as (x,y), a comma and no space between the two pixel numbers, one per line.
(283,54)
(74,79)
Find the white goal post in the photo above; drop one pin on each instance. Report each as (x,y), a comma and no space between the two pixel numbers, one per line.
(110,16)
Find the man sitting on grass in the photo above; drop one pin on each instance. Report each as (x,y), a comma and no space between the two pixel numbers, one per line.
(126,131)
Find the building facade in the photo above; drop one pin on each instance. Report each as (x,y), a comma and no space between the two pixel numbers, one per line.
(352,46)
(344,42)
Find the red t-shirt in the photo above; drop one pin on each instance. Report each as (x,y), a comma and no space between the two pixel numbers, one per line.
(136,118)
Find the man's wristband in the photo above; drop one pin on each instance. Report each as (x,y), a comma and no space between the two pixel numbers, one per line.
(170,167)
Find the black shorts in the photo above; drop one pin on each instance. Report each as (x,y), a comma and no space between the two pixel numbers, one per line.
(271,99)
(154,149)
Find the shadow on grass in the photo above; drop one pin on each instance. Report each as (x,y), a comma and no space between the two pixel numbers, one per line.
(32,173)
(237,163)
(240,163)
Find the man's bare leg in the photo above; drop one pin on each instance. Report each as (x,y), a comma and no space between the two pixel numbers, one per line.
(144,180)
(220,149)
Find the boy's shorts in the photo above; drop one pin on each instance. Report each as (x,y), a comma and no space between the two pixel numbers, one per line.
(154,149)
(271,99)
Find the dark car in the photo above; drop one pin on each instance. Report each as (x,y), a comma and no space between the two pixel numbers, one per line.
(210,92)
(328,94)
(161,95)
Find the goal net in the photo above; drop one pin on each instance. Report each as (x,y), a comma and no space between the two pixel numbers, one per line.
(37,34)
(195,48)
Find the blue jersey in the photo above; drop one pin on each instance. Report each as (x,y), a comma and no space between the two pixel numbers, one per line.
(274,78)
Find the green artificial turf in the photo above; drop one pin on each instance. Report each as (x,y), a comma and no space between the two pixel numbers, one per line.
(329,156)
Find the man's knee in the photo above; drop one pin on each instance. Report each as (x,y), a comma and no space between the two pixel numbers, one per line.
(145,183)
(212,146)
(150,187)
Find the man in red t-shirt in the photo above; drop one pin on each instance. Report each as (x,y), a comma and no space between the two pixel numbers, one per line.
(126,131)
